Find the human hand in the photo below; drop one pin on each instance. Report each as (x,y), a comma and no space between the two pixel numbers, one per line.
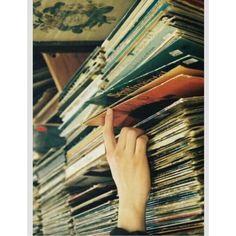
(130,170)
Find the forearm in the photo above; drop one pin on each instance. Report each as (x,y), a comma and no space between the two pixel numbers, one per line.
(130,170)
(131,216)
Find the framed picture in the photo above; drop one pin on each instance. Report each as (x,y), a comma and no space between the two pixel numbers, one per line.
(66,24)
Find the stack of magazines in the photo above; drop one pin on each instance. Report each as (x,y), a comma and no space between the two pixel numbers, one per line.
(94,209)
(176,156)
(151,39)
(150,72)
(53,198)
(37,222)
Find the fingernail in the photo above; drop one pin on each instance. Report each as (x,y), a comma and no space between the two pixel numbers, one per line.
(109,111)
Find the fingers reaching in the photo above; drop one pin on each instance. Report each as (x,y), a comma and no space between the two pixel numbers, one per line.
(122,138)
(108,134)
(131,141)
(141,145)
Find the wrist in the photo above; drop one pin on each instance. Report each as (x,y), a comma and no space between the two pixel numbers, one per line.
(131,215)
(133,201)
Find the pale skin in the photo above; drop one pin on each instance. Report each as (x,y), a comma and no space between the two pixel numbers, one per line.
(130,170)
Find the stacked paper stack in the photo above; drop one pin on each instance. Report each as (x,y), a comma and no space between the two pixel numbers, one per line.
(94,209)
(176,155)
(53,200)
(152,58)
(37,221)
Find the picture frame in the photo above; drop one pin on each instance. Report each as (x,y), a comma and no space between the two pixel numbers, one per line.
(71,25)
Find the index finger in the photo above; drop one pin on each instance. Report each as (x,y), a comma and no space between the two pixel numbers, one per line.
(108,133)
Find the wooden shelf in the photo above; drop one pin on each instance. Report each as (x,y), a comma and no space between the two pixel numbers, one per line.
(62,66)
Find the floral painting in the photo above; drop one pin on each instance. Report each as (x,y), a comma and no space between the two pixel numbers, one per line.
(76,20)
